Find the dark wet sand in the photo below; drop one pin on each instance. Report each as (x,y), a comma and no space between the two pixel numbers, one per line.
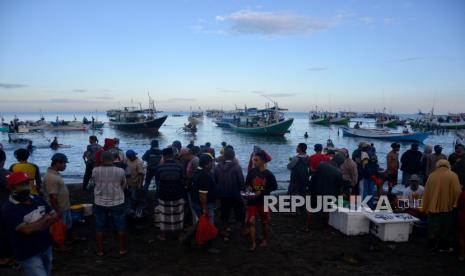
(290,252)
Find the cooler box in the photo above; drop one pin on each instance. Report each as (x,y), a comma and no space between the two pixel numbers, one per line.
(350,222)
(390,226)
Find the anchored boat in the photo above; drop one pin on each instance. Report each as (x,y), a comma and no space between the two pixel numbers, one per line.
(385,135)
(269,122)
(132,118)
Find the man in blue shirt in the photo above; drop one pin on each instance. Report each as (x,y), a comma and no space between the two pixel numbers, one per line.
(28,219)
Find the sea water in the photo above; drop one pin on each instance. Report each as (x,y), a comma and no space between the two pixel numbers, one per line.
(280,148)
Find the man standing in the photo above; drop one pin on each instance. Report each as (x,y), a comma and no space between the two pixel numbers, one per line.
(441,193)
(349,172)
(327,181)
(411,163)
(317,158)
(392,163)
(457,162)
(32,170)
(135,177)
(433,160)
(110,182)
(298,165)
(152,158)
(230,181)
(27,220)
(5,248)
(89,159)
(56,192)
(261,182)
(169,213)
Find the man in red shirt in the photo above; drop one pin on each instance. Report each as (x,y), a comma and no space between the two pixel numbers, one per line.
(317,158)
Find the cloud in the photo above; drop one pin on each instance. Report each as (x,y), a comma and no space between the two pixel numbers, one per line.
(246,22)
(314,69)
(407,59)
(12,85)
(367,20)
(80,90)
(280,95)
(228,91)
(178,100)
(62,101)
(219,18)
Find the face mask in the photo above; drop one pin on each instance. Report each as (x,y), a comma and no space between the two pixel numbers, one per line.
(21,196)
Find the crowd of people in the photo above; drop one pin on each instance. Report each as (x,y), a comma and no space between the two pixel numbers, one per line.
(193,181)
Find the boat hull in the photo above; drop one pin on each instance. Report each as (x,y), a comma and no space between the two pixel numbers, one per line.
(452,125)
(276,129)
(150,124)
(339,121)
(395,137)
(321,122)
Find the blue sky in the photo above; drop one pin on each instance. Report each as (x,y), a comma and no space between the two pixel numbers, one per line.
(352,55)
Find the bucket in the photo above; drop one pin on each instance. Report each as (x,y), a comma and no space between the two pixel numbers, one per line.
(76,211)
(87,209)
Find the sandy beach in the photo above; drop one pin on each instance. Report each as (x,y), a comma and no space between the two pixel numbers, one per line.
(324,251)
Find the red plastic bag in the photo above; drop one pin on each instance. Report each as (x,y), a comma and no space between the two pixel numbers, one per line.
(58,231)
(205,231)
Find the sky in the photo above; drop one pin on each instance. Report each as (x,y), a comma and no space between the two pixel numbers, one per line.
(355,55)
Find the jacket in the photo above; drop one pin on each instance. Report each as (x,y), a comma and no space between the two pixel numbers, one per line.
(229,179)
(442,190)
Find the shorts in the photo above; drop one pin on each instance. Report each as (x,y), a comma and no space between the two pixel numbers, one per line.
(252,212)
(67,218)
(117,213)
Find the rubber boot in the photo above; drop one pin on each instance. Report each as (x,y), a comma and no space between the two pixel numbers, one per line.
(99,239)
(122,243)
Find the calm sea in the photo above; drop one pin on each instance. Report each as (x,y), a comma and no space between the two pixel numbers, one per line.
(281,148)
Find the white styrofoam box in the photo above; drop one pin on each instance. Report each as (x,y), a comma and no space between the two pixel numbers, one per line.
(391,227)
(350,223)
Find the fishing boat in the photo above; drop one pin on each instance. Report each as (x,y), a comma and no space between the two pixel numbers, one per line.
(214,113)
(234,116)
(385,135)
(195,117)
(319,118)
(269,122)
(68,126)
(339,120)
(133,118)
(451,121)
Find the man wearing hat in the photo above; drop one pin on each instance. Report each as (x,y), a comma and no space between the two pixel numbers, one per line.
(433,160)
(135,177)
(152,158)
(56,192)
(28,218)
(414,192)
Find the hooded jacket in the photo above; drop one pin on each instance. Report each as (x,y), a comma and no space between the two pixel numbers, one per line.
(229,179)
(411,161)
(442,189)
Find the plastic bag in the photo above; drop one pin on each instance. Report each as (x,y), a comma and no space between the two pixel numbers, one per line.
(205,231)
(58,231)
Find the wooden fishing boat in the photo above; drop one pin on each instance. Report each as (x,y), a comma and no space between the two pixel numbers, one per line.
(339,121)
(132,118)
(269,122)
(384,135)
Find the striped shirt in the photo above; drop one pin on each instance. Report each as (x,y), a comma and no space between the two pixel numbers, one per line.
(109,184)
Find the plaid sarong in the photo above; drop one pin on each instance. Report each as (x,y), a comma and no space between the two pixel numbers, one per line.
(169,215)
